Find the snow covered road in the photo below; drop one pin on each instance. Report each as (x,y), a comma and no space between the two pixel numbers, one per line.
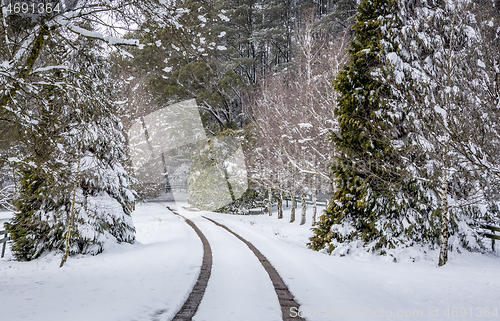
(243,295)
(239,287)
(370,287)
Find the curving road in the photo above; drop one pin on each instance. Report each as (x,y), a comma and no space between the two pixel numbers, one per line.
(236,281)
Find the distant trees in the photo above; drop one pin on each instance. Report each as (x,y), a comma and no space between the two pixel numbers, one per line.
(226,51)
(293,116)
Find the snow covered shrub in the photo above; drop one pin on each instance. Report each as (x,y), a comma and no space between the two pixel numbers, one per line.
(253,197)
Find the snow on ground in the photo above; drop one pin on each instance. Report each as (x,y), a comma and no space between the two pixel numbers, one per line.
(368,287)
(4,217)
(129,282)
(239,288)
(151,279)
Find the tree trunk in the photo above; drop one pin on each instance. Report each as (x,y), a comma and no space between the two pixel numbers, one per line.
(443,253)
(304,208)
(71,215)
(280,205)
(270,201)
(314,206)
(292,215)
(38,45)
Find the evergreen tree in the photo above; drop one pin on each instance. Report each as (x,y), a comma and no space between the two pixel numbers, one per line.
(408,170)
(372,203)
(71,143)
(440,44)
(357,106)
(56,91)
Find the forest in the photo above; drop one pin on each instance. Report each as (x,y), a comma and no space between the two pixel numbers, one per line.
(388,110)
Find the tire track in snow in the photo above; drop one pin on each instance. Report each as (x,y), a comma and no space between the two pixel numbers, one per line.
(193,301)
(285,297)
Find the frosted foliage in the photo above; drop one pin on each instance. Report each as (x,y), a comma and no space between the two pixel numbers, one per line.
(85,145)
(103,198)
(438,68)
(97,212)
(56,88)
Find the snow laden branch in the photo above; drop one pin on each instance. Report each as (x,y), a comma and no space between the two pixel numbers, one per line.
(56,93)
(24,42)
(293,118)
(294,113)
(440,76)
(6,197)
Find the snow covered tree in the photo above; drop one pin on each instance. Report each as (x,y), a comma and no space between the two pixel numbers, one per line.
(412,136)
(441,93)
(226,49)
(8,136)
(55,88)
(83,144)
(293,113)
(360,198)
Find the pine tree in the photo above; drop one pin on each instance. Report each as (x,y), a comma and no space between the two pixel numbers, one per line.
(356,112)
(403,135)
(68,126)
(371,198)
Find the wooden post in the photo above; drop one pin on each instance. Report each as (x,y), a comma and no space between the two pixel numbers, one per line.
(492,236)
(314,206)
(304,209)
(492,242)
